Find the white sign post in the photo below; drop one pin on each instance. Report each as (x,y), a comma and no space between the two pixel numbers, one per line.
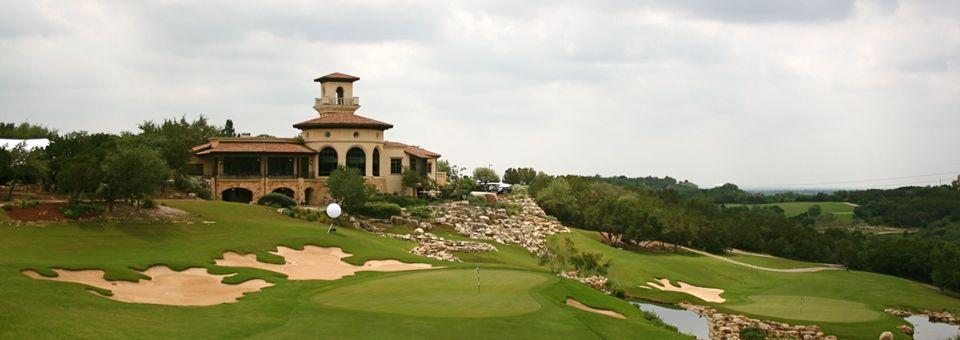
(333,211)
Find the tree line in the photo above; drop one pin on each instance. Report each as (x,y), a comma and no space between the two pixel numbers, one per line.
(633,216)
(126,167)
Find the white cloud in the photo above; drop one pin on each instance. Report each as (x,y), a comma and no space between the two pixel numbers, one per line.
(753,92)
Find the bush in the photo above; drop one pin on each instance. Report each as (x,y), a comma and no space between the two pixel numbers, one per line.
(27,204)
(752,333)
(277,200)
(403,201)
(380,209)
(78,210)
(148,203)
(421,212)
(349,189)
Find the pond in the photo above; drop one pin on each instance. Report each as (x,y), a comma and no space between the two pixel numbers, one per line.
(923,329)
(687,322)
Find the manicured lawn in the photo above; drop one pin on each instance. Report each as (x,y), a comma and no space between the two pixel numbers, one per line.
(807,308)
(520,303)
(857,293)
(772,262)
(500,293)
(842,210)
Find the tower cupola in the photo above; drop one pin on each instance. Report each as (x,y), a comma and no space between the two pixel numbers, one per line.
(336,94)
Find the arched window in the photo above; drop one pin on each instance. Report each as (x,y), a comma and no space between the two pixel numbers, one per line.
(376,162)
(328,161)
(339,95)
(356,158)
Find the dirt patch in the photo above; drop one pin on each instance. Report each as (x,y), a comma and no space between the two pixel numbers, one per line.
(315,263)
(49,211)
(705,294)
(576,304)
(191,287)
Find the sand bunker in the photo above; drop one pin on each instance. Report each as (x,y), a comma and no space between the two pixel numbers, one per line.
(191,287)
(576,304)
(705,294)
(315,263)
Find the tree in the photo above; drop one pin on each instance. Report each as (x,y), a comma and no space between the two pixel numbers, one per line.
(946,267)
(411,179)
(228,130)
(81,176)
(485,175)
(25,131)
(453,171)
(26,166)
(79,147)
(519,176)
(6,173)
(347,187)
(174,138)
(557,199)
(132,173)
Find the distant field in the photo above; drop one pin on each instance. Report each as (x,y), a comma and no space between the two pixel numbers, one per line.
(842,210)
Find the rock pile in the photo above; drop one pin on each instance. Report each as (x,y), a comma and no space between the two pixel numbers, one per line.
(897,312)
(512,221)
(596,281)
(944,317)
(439,248)
(728,326)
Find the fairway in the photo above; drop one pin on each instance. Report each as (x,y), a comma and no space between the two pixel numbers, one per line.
(447,293)
(519,299)
(846,295)
(807,308)
(842,210)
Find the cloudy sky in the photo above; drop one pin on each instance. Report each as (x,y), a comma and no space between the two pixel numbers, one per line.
(765,93)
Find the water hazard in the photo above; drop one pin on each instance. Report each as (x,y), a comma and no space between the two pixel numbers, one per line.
(923,329)
(687,322)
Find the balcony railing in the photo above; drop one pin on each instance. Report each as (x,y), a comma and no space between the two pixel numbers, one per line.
(334,101)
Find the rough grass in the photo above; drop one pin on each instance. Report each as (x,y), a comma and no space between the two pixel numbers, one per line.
(872,291)
(40,309)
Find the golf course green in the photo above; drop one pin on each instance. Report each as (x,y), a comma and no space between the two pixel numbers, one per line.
(514,300)
(848,304)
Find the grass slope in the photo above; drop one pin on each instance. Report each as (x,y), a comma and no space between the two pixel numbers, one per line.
(856,299)
(529,302)
(842,210)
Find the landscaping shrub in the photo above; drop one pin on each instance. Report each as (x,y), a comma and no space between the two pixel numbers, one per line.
(752,333)
(78,210)
(27,204)
(148,203)
(380,209)
(277,200)
(421,212)
(349,189)
(403,201)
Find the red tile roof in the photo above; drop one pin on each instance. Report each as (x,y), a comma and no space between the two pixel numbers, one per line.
(337,76)
(251,145)
(413,150)
(342,120)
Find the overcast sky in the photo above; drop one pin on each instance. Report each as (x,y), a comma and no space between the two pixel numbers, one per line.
(765,93)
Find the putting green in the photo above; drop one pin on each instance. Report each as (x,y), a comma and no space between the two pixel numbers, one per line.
(807,308)
(445,293)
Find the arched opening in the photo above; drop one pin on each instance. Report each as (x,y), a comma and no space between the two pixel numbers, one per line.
(328,161)
(239,195)
(357,159)
(284,191)
(376,162)
(308,196)
(339,95)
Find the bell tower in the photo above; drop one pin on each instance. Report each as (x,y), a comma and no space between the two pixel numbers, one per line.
(336,94)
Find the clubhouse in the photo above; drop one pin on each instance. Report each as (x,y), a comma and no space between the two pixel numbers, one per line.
(244,168)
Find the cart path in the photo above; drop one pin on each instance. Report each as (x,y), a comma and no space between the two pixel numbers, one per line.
(794,270)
